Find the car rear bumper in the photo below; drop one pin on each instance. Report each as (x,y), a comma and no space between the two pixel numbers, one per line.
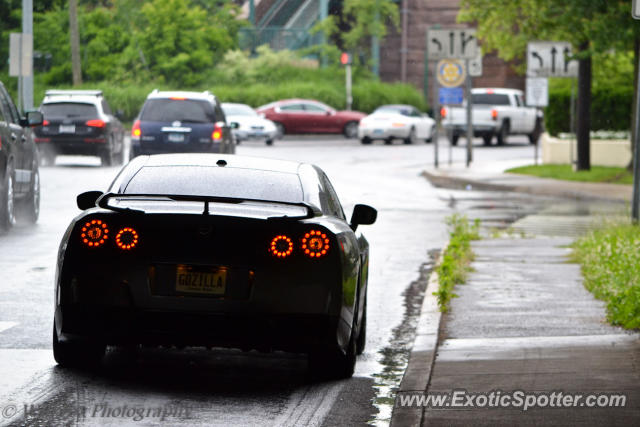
(384,133)
(243,135)
(117,326)
(478,129)
(73,145)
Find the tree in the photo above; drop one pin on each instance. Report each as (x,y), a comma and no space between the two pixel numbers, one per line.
(592,26)
(359,21)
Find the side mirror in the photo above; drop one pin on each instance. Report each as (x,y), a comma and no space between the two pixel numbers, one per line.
(363,214)
(234,125)
(87,200)
(33,118)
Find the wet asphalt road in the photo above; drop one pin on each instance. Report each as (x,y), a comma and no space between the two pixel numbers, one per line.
(223,387)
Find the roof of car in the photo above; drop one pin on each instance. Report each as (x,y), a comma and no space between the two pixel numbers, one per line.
(497,90)
(230,161)
(156,94)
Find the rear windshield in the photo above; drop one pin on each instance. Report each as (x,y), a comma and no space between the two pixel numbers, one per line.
(238,110)
(69,109)
(490,99)
(183,110)
(216,181)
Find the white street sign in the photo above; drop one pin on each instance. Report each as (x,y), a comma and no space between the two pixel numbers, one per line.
(635,9)
(537,91)
(20,54)
(550,59)
(475,65)
(453,43)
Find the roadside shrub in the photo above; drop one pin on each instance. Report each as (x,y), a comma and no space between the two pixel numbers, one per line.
(610,108)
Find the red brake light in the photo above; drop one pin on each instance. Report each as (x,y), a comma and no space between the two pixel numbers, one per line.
(135,130)
(95,123)
(216,135)
(443,112)
(94,233)
(490,91)
(281,246)
(494,114)
(45,123)
(315,244)
(127,238)
(178,98)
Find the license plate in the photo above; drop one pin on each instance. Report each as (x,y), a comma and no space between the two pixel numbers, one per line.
(176,137)
(378,132)
(67,129)
(201,280)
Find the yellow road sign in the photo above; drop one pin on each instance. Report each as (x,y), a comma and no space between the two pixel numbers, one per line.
(451,72)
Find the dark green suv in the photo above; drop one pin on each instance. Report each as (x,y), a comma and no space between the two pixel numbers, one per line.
(19,177)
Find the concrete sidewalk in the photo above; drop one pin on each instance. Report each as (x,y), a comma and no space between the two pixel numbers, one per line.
(523,322)
(491,176)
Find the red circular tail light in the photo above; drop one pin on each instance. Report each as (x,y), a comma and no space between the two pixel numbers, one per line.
(315,244)
(281,246)
(94,233)
(127,238)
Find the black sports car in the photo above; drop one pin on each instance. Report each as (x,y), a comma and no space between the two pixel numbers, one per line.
(214,250)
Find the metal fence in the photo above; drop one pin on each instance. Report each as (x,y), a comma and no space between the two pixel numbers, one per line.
(277,38)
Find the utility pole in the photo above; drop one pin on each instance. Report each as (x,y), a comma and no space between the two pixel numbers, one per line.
(324,13)
(27,31)
(76,69)
(375,44)
(584,112)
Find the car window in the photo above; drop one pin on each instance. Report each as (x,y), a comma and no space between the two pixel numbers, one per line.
(10,111)
(518,102)
(183,110)
(490,99)
(238,110)
(219,112)
(292,108)
(69,109)
(335,208)
(415,113)
(106,108)
(3,114)
(216,181)
(314,108)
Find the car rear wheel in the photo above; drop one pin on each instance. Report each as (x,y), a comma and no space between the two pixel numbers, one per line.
(32,201)
(388,141)
(411,138)
(279,130)
(351,130)
(333,364)
(269,142)
(76,354)
(454,139)
(487,139)
(7,202)
(503,133)
(366,140)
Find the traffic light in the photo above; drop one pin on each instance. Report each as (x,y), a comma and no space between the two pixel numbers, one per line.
(345,58)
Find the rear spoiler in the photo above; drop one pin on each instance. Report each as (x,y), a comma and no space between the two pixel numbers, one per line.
(103,202)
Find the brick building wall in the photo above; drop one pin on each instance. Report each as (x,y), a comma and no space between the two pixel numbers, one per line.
(423,14)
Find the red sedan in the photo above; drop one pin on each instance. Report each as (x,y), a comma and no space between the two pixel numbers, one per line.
(308,116)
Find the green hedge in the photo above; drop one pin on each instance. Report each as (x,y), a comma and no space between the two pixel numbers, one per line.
(610,108)
(367,95)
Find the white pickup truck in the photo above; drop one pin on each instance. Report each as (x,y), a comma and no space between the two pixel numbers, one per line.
(495,112)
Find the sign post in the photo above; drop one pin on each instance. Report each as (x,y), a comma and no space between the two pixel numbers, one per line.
(537,96)
(345,59)
(635,203)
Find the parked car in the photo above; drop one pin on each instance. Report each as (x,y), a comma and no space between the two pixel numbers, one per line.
(214,250)
(250,124)
(19,175)
(181,122)
(79,122)
(308,116)
(389,122)
(495,112)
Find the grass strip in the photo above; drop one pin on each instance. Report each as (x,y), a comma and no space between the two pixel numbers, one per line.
(457,257)
(605,174)
(610,261)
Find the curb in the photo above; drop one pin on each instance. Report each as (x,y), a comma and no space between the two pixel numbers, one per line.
(461,183)
(423,354)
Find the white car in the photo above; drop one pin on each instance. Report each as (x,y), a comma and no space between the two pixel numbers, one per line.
(390,122)
(250,125)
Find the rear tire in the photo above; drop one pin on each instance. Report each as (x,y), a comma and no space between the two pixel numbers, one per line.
(454,139)
(503,133)
(32,201)
(350,130)
(366,140)
(76,354)
(333,364)
(388,141)
(7,202)
(411,138)
(269,142)
(487,139)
